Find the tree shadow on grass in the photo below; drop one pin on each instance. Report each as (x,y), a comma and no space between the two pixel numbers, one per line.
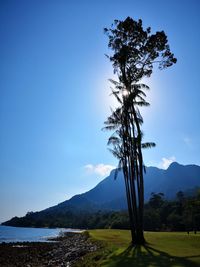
(144,256)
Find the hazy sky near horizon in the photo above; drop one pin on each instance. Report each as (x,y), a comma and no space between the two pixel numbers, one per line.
(54,95)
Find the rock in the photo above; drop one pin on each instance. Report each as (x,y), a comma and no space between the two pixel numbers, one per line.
(63,253)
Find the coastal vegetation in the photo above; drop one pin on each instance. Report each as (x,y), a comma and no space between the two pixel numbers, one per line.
(160,214)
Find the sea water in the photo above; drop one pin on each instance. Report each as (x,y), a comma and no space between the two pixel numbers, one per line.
(23,234)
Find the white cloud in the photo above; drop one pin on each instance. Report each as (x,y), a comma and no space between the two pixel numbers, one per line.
(100,169)
(164,164)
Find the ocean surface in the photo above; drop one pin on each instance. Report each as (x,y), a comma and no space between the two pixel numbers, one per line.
(22,234)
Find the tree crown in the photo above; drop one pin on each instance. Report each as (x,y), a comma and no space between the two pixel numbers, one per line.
(136,50)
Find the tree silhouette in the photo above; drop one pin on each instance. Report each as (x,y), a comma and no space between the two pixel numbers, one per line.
(135,51)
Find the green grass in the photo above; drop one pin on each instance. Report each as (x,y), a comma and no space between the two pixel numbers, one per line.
(162,250)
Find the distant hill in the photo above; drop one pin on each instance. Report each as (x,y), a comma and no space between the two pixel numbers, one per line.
(109,194)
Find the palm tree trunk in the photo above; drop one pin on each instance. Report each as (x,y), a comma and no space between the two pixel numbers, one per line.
(131,218)
(141,239)
(129,192)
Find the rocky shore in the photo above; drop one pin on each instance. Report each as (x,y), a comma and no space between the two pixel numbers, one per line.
(60,252)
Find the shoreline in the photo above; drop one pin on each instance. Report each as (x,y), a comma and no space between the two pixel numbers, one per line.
(61,251)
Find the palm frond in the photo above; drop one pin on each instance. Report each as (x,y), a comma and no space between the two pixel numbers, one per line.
(113,82)
(110,127)
(115,93)
(140,98)
(141,103)
(114,140)
(141,86)
(115,153)
(148,145)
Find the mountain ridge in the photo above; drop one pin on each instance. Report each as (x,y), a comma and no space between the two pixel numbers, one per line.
(109,194)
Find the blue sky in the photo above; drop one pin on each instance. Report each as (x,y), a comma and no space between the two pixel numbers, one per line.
(54,95)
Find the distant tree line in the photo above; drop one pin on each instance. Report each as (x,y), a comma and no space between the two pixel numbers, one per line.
(181,214)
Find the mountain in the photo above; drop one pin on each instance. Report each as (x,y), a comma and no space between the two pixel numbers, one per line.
(109,194)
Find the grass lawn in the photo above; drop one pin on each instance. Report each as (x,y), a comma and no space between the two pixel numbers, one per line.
(162,250)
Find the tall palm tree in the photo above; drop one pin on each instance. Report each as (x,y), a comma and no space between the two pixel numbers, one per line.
(126,143)
(136,51)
